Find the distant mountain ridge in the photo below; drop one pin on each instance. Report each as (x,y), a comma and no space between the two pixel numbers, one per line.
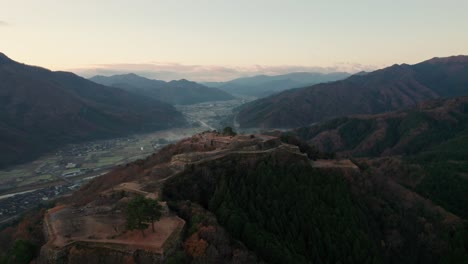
(395,87)
(41,109)
(173,92)
(264,85)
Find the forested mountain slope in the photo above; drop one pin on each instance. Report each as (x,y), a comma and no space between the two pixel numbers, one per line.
(173,92)
(264,85)
(276,199)
(42,109)
(392,88)
(432,136)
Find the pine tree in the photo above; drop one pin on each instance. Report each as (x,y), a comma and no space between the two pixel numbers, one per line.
(140,211)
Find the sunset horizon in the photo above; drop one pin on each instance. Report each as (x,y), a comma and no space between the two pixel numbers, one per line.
(243,37)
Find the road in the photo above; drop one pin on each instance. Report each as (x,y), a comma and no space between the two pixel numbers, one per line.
(205,124)
(13,194)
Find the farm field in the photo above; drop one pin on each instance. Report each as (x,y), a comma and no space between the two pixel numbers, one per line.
(75,162)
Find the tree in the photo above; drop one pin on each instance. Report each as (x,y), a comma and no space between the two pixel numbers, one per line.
(228,131)
(153,211)
(23,251)
(136,214)
(140,211)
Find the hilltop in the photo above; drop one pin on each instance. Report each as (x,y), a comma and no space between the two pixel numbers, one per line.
(252,199)
(97,209)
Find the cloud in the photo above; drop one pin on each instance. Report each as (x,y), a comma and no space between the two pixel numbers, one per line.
(3,23)
(203,73)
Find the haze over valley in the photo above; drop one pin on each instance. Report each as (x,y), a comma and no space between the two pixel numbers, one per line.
(66,164)
(179,92)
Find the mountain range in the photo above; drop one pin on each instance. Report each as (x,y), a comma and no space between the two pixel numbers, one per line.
(278,199)
(264,85)
(389,187)
(395,87)
(41,109)
(174,92)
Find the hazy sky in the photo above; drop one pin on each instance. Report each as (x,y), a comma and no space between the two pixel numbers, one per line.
(218,39)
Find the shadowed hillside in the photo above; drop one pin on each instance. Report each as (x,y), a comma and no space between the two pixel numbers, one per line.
(41,109)
(406,132)
(254,199)
(288,209)
(264,85)
(173,92)
(395,87)
(426,146)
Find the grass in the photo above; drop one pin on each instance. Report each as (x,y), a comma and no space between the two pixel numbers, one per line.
(32,180)
(108,161)
(88,165)
(94,154)
(45,177)
(99,161)
(15,174)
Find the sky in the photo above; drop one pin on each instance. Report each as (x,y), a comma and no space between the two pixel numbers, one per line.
(214,40)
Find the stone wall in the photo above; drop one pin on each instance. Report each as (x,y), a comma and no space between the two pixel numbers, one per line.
(97,253)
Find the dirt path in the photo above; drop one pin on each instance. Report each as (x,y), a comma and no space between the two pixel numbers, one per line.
(344,163)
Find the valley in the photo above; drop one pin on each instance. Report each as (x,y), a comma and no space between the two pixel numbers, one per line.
(25,186)
(212,115)
(234,132)
(60,172)
(43,110)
